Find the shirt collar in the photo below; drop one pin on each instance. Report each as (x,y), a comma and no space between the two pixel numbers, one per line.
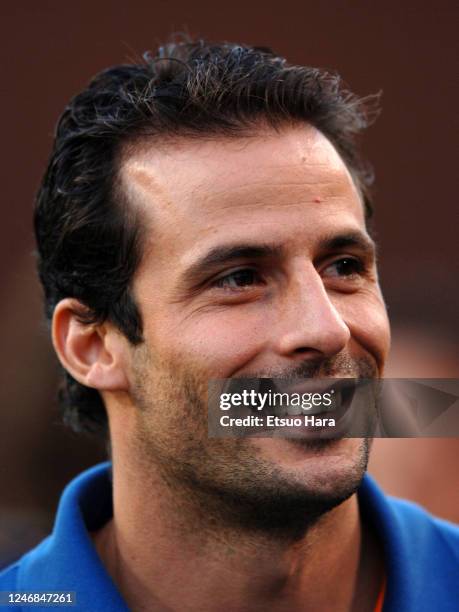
(68,561)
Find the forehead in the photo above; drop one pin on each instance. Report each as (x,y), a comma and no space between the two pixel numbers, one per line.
(193,190)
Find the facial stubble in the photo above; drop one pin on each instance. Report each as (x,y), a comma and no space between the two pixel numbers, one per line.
(227,484)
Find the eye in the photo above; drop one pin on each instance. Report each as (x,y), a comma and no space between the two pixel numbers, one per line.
(347,267)
(238,279)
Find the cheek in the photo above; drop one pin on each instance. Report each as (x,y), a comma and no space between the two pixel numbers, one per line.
(219,342)
(366,317)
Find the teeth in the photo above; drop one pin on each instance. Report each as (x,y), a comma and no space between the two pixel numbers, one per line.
(294,410)
(282,410)
(335,403)
(314,411)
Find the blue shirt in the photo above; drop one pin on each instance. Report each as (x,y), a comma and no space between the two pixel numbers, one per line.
(421,552)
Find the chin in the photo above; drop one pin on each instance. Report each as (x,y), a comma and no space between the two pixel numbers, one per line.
(300,452)
(282,488)
(320,467)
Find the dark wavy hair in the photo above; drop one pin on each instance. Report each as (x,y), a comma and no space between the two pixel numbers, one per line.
(89,241)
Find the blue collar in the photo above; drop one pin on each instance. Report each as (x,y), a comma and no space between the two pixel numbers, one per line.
(67,560)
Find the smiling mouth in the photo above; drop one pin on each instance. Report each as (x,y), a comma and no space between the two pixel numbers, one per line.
(306,407)
(337,393)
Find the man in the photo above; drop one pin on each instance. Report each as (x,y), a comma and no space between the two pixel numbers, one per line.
(204,216)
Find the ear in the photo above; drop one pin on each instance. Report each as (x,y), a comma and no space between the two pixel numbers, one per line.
(94,354)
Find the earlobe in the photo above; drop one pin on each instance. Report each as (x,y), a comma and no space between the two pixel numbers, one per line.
(92,353)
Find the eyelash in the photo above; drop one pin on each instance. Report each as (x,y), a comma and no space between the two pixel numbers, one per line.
(358,268)
(219,282)
(357,265)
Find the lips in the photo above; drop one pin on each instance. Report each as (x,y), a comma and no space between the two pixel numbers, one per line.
(340,391)
(327,407)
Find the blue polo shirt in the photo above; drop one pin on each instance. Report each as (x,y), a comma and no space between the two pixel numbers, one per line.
(421,552)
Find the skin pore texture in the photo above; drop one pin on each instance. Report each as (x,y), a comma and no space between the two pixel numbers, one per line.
(257,262)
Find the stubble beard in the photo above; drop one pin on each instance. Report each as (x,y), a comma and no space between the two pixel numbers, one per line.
(226,484)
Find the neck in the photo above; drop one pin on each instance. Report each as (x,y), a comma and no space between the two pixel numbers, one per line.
(167,550)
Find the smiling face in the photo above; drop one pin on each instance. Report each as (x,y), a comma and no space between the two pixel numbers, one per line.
(257,263)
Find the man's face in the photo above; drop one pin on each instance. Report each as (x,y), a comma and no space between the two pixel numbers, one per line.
(257,264)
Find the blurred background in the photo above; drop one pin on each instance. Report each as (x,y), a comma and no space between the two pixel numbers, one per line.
(406,49)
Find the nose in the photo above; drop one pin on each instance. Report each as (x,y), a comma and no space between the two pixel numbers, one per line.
(309,324)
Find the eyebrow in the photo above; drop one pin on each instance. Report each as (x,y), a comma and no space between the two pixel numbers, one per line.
(221,255)
(354,239)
